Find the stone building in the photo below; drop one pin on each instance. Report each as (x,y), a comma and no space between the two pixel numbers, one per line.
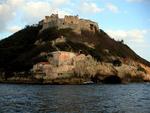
(56,59)
(60,62)
(61,58)
(73,22)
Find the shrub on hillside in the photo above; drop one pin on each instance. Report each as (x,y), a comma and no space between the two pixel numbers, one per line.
(140,68)
(117,62)
(86,67)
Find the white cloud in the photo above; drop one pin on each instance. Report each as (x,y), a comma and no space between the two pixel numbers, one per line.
(90,8)
(56,3)
(15,3)
(8,11)
(112,8)
(35,11)
(62,13)
(6,15)
(134,35)
(135,39)
(30,11)
(14,29)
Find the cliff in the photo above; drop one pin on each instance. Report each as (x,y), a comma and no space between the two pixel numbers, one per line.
(63,56)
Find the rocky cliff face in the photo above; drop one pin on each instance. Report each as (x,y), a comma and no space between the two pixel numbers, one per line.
(102,58)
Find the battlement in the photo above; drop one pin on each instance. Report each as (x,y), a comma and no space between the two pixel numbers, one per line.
(73,22)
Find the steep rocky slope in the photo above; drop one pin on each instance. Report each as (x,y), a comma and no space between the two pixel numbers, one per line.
(20,51)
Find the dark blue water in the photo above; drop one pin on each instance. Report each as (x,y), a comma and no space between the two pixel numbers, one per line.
(131,98)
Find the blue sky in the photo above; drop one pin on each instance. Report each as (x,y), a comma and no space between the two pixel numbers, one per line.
(121,19)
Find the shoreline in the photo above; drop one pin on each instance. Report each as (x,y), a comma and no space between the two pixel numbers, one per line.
(67,81)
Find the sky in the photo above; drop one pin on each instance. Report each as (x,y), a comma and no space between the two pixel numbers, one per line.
(127,20)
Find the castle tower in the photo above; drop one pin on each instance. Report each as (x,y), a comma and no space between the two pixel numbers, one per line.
(73,22)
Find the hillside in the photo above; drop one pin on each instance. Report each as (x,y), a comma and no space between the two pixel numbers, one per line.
(15,54)
(20,51)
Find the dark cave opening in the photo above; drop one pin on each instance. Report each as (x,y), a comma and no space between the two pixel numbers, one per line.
(112,80)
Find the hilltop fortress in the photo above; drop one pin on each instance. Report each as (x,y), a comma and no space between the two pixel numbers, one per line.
(73,22)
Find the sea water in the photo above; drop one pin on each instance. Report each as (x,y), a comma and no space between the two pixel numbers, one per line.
(129,98)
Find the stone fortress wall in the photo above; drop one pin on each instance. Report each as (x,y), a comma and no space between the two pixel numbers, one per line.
(73,22)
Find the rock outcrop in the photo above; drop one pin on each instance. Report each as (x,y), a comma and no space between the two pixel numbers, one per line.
(68,50)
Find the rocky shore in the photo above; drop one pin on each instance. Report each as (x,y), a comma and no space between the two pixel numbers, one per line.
(87,73)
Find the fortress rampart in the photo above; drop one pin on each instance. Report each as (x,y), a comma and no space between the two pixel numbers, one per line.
(73,22)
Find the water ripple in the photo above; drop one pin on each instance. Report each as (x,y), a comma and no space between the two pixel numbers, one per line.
(131,98)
